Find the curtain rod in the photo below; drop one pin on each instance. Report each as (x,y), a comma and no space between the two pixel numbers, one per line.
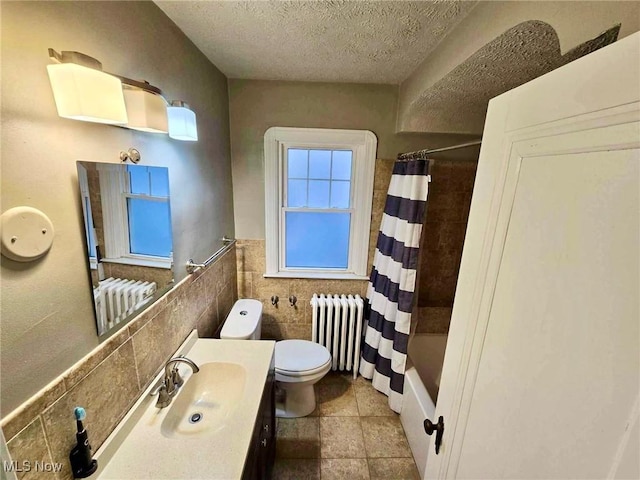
(404,156)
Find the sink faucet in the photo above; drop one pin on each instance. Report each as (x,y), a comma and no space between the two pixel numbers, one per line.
(172,380)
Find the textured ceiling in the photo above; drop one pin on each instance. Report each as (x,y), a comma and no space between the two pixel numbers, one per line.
(458,101)
(329,41)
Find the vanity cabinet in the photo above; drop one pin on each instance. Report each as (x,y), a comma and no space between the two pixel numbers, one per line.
(262,451)
(234,436)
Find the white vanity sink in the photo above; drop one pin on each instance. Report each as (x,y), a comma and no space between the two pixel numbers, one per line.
(206,431)
(207,402)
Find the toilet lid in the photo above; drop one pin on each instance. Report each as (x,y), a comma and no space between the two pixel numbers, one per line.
(299,356)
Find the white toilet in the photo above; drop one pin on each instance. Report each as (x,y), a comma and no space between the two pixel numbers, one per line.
(299,364)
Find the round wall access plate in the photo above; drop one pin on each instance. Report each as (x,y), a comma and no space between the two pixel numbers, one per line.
(26,234)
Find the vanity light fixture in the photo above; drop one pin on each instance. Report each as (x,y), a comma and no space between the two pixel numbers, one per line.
(82,91)
(182,122)
(147,111)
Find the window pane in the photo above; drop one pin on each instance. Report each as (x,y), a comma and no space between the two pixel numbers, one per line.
(318,194)
(317,240)
(320,164)
(340,191)
(341,165)
(149,227)
(297,193)
(159,181)
(297,163)
(138,179)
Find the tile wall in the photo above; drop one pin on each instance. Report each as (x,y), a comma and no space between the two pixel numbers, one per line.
(442,240)
(162,276)
(282,321)
(43,428)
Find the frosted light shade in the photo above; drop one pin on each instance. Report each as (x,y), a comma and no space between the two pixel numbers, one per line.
(182,124)
(146,111)
(83,93)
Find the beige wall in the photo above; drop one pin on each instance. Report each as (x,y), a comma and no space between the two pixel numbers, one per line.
(47,313)
(574,22)
(256,105)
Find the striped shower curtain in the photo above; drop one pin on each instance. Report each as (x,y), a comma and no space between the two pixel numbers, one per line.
(393,279)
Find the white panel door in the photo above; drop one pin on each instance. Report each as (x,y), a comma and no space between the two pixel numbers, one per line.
(541,373)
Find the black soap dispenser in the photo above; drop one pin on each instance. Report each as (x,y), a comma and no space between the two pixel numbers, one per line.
(82,463)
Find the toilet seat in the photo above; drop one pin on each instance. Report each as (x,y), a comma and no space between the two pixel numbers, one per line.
(300,358)
(296,373)
(299,364)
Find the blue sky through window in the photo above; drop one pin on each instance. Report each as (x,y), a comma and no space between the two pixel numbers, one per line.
(149,227)
(318,179)
(149,219)
(317,240)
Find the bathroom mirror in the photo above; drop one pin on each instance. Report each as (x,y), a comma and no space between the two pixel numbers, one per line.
(127,223)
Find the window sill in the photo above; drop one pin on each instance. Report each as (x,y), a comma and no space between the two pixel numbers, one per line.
(317,275)
(140,262)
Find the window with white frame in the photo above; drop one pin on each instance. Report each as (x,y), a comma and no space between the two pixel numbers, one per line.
(319,187)
(135,204)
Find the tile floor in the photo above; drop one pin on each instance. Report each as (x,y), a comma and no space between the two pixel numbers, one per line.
(352,434)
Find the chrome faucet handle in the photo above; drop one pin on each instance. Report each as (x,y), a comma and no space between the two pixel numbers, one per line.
(169,386)
(176,378)
(172,380)
(164,398)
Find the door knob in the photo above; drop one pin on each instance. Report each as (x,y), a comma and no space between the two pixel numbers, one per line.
(429,427)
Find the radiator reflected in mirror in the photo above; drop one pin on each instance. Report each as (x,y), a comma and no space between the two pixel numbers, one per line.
(129,243)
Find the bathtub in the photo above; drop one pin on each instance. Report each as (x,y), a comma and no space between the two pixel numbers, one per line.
(421,383)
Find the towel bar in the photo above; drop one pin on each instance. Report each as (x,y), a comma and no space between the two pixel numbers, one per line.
(194,267)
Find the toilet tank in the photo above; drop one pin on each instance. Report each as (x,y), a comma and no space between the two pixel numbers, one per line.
(244,321)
